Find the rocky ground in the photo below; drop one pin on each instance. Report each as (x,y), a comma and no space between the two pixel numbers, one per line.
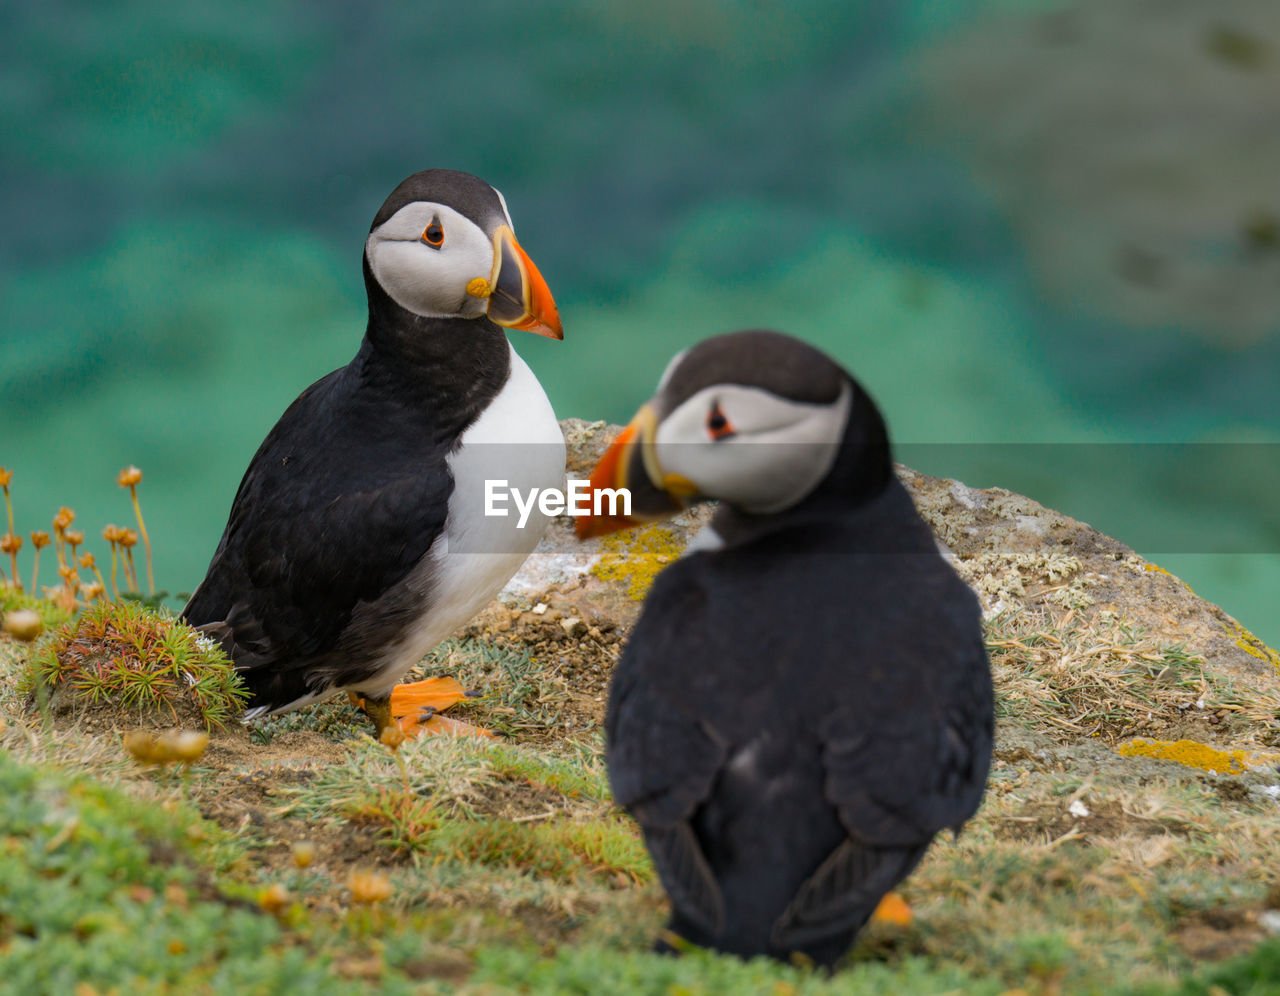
(1130,836)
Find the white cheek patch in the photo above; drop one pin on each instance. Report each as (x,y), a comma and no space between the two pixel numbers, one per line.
(425,280)
(779,453)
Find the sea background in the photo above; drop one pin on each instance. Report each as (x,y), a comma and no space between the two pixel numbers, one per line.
(1046,236)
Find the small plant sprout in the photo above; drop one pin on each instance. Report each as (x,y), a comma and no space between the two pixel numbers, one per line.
(893,909)
(368,887)
(11,543)
(274,899)
(7,544)
(188,746)
(90,563)
(39,540)
(64,596)
(128,540)
(61,523)
(181,746)
(111,533)
(130,478)
(143,747)
(23,624)
(303,852)
(393,738)
(74,538)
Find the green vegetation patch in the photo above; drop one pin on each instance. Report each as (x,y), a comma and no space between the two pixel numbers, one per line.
(50,613)
(589,971)
(95,888)
(475,865)
(463,799)
(125,655)
(336,719)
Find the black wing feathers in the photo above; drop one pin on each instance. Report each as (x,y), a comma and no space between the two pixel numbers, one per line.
(844,892)
(303,548)
(922,769)
(683,869)
(662,760)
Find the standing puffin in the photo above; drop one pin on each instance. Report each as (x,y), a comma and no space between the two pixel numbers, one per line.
(806,700)
(358,539)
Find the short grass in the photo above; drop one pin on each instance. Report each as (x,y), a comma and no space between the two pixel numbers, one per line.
(518,694)
(1105,678)
(337,719)
(515,694)
(509,869)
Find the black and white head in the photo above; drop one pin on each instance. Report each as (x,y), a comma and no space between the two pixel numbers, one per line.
(756,419)
(443,246)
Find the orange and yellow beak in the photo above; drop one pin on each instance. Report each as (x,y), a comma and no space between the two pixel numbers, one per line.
(610,472)
(518,296)
(631,463)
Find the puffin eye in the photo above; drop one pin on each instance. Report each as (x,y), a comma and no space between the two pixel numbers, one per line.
(433,235)
(718,425)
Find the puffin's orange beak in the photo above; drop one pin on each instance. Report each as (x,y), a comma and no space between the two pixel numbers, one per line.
(518,296)
(631,465)
(610,472)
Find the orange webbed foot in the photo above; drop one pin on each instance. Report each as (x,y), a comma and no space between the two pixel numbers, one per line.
(432,724)
(893,909)
(432,693)
(416,709)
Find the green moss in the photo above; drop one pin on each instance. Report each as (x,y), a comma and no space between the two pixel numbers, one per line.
(590,971)
(128,656)
(559,847)
(97,889)
(441,806)
(1254,974)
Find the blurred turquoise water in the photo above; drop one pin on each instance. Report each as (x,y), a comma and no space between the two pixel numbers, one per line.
(186,193)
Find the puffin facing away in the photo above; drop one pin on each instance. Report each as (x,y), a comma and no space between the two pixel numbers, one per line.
(806,700)
(358,539)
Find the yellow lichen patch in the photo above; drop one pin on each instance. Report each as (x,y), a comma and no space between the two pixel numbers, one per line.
(636,558)
(1254,647)
(1196,755)
(1141,566)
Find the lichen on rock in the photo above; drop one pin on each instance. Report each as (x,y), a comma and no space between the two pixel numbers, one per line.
(636,558)
(1193,754)
(1097,641)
